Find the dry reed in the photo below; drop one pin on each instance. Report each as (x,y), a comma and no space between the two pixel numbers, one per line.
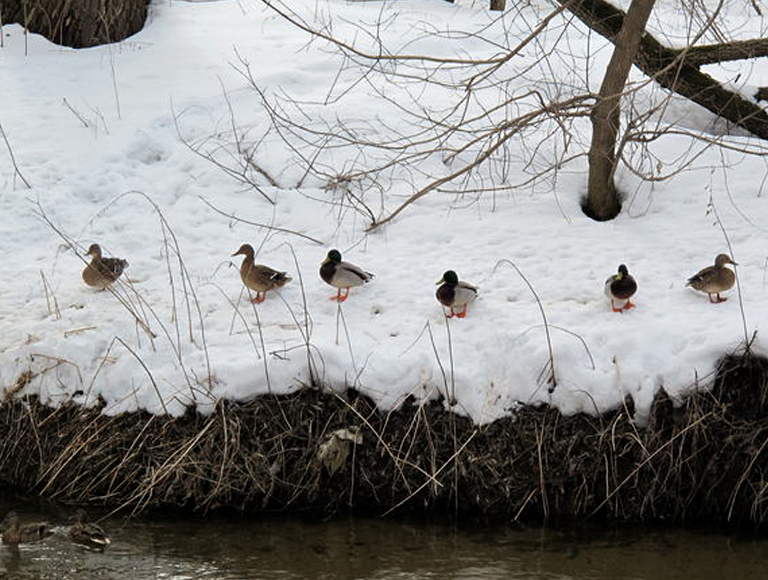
(701,461)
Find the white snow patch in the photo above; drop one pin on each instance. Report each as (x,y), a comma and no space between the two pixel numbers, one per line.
(86,175)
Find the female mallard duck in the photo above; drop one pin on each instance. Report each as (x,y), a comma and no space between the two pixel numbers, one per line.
(258,277)
(87,533)
(714,279)
(101,272)
(342,275)
(620,288)
(15,533)
(455,294)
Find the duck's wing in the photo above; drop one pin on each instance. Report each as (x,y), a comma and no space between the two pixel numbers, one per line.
(609,286)
(702,277)
(350,275)
(465,293)
(96,534)
(112,268)
(270,277)
(89,534)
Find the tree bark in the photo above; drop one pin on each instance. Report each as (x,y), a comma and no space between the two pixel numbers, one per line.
(672,69)
(728,51)
(498,4)
(602,199)
(77,23)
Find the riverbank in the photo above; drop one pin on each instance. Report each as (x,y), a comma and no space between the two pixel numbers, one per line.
(702,462)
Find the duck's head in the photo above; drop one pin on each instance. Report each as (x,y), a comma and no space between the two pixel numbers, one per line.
(245,250)
(80,517)
(724,259)
(623,272)
(449,277)
(94,251)
(334,257)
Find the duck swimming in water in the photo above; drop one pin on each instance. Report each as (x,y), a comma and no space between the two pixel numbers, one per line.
(87,533)
(15,533)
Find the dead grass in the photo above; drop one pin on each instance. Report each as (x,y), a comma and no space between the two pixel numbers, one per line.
(704,461)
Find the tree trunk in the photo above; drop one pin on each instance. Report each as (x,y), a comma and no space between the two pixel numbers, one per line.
(498,4)
(602,198)
(77,23)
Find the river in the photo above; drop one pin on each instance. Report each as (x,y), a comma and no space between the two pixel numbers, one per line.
(173,547)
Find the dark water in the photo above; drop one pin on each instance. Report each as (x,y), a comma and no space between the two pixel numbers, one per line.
(175,548)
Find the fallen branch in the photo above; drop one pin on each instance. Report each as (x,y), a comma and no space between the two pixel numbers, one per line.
(678,69)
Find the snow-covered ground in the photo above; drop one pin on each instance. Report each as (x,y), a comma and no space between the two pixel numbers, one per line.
(93,133)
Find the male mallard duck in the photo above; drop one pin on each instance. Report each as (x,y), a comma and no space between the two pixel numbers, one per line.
(101,272)
(259,277)
(714,279)
(342,275)
(454,294)
(87,533)
(620,288)
(15,533)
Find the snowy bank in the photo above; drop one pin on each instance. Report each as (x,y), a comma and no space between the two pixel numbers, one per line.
(101,134)
(332,453)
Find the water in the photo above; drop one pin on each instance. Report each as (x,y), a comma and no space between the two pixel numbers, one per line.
(235,548)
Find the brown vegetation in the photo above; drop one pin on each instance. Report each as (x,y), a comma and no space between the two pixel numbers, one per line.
(77,24)
(704,461)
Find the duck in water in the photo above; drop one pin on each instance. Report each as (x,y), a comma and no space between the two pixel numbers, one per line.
(15,533)
(87,533)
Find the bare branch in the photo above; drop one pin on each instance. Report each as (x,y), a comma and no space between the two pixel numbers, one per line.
(726,51)
(260,225)
(16,169)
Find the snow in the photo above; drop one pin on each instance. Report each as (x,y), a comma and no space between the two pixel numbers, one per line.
(113,172)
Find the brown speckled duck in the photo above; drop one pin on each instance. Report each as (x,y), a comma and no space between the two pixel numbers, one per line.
(87,533)
(620,288)
(14,533)
(455,294)
(101,272)
(714,279)
(259,278)
(342,275)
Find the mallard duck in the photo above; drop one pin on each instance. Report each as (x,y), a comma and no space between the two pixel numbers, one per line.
(455,294)
(259,277)
(342,275)
(714,279)
(101,272)
(15,533)
(620,288)
(87,533)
